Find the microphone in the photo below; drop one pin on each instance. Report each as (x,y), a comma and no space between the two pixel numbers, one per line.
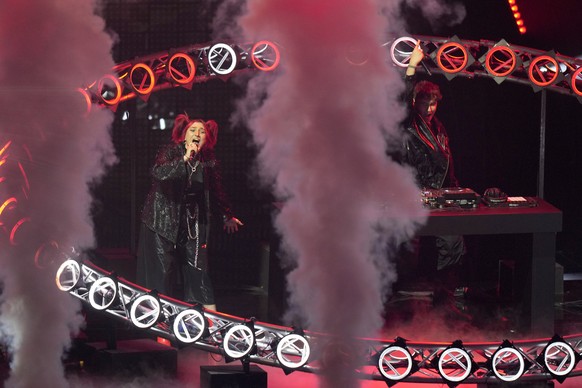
(193,152)
(425,67)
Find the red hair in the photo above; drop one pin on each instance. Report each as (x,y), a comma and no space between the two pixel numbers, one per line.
(183,122)
(211,133)
(426,90)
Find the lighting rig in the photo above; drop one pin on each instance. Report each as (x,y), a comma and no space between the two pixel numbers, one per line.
(451,57)
(291,349)
(179,67)
(500,60)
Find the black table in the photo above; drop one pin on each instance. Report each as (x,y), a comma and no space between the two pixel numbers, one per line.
(542,222)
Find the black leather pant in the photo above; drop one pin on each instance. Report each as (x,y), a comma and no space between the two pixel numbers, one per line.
(169,268)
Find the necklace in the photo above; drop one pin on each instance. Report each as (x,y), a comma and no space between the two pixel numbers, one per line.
(192,168)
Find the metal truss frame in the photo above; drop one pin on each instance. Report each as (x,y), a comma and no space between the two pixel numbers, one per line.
(179,67)
(501,61)
(292,349)
(451,57)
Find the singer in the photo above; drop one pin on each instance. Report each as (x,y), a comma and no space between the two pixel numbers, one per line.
(186,192)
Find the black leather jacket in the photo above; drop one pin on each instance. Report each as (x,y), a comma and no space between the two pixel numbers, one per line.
(426,148)
(164,203)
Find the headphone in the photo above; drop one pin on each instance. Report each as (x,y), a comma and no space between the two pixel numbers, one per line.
(495,195)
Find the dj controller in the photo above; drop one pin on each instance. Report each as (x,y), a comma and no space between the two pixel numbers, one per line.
(466,198)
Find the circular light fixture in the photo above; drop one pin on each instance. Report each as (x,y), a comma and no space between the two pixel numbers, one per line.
(455,364)
(543,70)
(238,342)
(401,50)
(576,81)
(110,89)
(559,358)
(17,226)
(141,79)
(181,68)
(500,61)
(508,364)
(68,275)
(222,58)
(395,363)
(265,55)
(145,311)
(452,57)
(293,351)
(103,293)
(189,326)
(87,100)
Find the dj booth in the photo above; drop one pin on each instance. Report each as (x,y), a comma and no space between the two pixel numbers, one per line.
(467,214)
(537,218)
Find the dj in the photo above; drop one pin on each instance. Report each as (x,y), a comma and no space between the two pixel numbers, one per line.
(426,148)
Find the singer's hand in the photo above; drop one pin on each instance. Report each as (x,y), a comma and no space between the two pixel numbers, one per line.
(231,225)
(191,150)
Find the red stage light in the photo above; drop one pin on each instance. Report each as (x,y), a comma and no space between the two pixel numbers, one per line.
(15,228)
(9,203)
(5,146)
(142,79)
(109,84)
(181,68)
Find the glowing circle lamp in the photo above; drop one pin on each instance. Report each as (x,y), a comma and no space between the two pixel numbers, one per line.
(395,363)
(181,68)
(142,78)
(10,203)
(576,82)
(293,351)
(110,89)
(17,226)
(401,50)
(87,99)
(222,59)
(145,311)
(543,70)
(46,253)
(68,275)
(500,61)
(265,55)
(455,363)
(239,341)
(452,57)
(558,358)
(103,293)
(189,326)
(507,363)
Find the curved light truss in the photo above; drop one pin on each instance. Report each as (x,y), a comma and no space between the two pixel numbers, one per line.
(501,61)
(290,349)
(179,67)
(182,67)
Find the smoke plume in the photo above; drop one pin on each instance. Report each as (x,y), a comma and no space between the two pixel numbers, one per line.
(52,152)
(322,123)
(439,12)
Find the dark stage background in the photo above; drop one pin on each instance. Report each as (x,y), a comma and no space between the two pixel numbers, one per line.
(494,130)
